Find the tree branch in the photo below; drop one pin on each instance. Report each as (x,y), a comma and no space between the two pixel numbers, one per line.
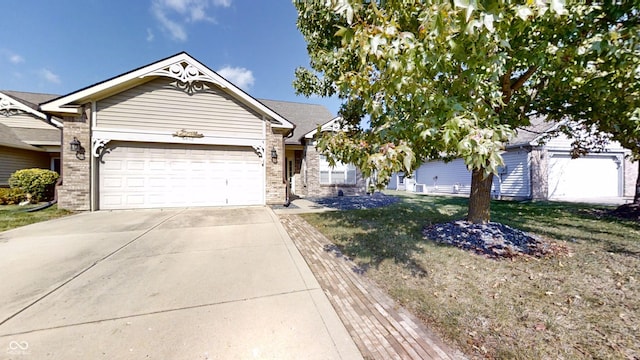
(506,87)
(517,84)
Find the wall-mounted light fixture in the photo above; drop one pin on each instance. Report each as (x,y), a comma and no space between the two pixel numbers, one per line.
(76,146)
(274,154)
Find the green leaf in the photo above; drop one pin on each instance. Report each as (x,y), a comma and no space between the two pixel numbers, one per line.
(429,75)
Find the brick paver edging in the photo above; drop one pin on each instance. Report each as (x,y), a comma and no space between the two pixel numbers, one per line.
(380,328)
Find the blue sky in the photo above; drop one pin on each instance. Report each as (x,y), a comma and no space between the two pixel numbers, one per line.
(61,46)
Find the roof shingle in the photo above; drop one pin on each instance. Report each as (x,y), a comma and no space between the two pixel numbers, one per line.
(525,135)
(32,100)
(306,117)
(9,139)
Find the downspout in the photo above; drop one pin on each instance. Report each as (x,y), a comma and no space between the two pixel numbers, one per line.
(60,178)
(264,159)
(92,160)
(529,150)
(636,195)
(287,200)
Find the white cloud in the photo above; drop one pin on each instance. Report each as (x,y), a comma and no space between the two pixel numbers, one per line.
(50,76)
(189,11)
(176,30)
(241,77)
(223,3)
(15,58)
(150,35)
(198,14)
(11,56)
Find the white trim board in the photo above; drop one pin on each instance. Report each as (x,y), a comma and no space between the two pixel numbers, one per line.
(164,137)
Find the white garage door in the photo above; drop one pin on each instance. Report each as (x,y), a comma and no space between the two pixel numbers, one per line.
(586,177)
(139,175)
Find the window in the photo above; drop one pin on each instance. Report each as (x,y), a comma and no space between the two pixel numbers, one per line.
(341,174)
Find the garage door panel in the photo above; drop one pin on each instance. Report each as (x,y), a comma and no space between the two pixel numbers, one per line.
(178,166)
(138,150)
(135,199)
(157,165)
(135,182)
(155,200)
(112,165)
(157,182)
(111,182)
(198,166)
(167,175)
(135,165)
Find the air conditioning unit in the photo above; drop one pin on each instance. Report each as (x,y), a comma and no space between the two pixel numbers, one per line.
(409,184)
(421,188)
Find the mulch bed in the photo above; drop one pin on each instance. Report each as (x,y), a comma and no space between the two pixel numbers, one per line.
(356,202)
(493,240)
(627,211)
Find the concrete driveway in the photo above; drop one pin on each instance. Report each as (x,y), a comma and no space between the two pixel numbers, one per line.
(205,283)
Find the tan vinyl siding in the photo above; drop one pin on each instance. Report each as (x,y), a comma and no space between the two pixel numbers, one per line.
(25,120)
(158,106)
(15,159)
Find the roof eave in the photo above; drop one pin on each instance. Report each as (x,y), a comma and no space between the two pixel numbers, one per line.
(21,146)
(323,127)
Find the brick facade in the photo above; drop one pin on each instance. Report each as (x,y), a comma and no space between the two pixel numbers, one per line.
(75,191)
(538,160)
(630,177)
(276,186)
(312,186)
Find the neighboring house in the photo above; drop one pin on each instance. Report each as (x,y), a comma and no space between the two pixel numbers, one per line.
(307,171)
(535,168)
(27,138)
(175,133)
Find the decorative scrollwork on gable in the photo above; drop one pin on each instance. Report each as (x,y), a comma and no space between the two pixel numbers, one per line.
(8,107)
(189,78)
(191,87)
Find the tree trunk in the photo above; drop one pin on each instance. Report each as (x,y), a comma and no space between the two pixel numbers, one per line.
(480,198)
(636,197)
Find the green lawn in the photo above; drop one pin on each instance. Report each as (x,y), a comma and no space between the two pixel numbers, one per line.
(13,216)
(582,305)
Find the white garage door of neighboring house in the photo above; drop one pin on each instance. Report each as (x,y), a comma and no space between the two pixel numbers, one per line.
(585,177)
(138,175)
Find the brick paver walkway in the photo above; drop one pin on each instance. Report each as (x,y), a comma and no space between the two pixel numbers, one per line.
(380,328)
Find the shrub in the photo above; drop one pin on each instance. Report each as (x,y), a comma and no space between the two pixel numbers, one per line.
(11,196)
(39,184)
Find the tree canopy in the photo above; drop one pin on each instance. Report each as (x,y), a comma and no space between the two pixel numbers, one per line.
(448,79)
